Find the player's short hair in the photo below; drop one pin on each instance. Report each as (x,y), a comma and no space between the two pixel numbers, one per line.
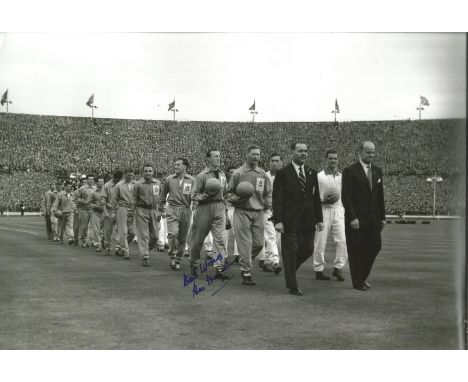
(208,153)
(99,177)
(129,169)
(148,165)
(184,161)
(89,176)
(231,168)
(276,155)
(117,175)
(252,147)
(293,146)
(330,151)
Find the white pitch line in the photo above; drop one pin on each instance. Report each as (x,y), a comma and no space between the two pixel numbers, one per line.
(19,230)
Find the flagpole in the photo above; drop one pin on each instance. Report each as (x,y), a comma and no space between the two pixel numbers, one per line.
(173,111)
(420,107)
(253,112)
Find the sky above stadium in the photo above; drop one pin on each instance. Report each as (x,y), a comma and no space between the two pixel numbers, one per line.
(292,77)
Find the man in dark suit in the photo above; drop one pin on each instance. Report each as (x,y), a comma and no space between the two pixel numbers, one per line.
(363,199)
(297,213)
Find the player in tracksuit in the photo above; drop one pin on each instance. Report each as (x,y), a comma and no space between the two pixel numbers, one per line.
(178,189)
(51,220)
(95,202)
(122,200)
(209,215)
(109,213)
(84,209)
(146,193)
(66,205)
(249,212)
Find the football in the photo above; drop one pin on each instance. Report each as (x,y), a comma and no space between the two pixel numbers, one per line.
(212,185)
(245,190)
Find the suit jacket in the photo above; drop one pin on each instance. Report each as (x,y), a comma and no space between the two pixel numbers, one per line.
(358,200)
(291,204)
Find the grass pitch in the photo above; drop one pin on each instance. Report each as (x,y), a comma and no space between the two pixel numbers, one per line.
(60,297)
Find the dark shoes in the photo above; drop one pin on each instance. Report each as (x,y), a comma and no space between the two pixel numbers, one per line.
(296,292)
(360,287)
(338,274)
(220,275)
(247,279)
(277,269)
(145,262)
(261,263)
(321,276)
(236,259)
(195,271)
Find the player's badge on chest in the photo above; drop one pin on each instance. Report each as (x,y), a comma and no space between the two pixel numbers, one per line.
(222,180)
(260,185)
(187,188)
(155,190)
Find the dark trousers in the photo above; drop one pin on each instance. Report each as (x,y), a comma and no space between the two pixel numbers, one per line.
(48,226)
(363,245)
(76,226)
(296,246)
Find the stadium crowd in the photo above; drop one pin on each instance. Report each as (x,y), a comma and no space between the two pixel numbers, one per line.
(35,150)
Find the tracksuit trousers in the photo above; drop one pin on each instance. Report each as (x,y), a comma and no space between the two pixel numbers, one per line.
(147,229)
(249,230)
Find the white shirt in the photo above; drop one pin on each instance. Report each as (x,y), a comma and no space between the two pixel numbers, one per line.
(272,178)
(296,167)
(328,182)
(365,166)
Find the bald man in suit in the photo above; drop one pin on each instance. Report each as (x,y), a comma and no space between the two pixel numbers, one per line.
(363,200)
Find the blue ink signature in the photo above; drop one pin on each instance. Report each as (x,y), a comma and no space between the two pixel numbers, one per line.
(210,280)
(196,289)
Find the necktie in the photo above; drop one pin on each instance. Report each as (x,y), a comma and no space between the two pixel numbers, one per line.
(302,179)
(369,176)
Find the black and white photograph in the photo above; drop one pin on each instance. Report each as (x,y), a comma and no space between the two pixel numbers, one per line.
(232,191)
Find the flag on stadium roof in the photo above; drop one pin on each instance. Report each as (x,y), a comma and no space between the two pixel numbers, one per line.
(337,108)
(171,106)
(4,98)
(90,102)
(252,107)
(424,101)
